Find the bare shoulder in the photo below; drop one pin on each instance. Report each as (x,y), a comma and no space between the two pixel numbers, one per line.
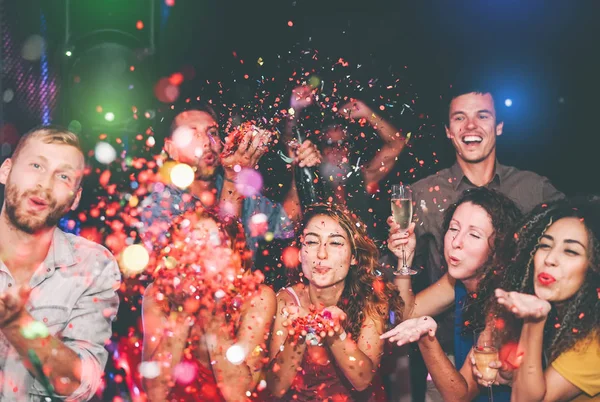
(265,295)
(263,300)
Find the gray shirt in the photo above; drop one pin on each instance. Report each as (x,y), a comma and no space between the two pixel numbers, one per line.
(434,194)
(74,293)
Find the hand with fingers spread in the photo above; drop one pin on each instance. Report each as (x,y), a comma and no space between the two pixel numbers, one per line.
(524,306)
(307,154)
(355,110)
(399,238)
(244,147)
(12,305)
(411,330)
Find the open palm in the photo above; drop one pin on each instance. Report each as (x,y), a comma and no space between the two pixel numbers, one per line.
(411,330)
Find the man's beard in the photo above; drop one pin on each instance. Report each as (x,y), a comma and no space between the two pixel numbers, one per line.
(206,173)
(26,222)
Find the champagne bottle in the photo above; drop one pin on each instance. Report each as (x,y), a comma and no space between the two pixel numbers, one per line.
(308,181)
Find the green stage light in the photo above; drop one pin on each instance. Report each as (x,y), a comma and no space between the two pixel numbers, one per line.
(109,116)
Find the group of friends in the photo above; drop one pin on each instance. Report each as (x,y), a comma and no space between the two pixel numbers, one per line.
(515,262)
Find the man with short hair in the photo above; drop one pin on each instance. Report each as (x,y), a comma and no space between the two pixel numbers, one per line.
(194,140)
(58,291)
(472,127)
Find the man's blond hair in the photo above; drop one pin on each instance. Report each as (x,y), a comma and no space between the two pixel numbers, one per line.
(48,135)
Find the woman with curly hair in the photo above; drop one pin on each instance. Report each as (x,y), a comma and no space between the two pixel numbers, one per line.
(325,342)
(551,292)
(475,228)
(206,317)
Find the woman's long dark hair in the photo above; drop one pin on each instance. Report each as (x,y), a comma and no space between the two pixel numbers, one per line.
(504,214)
(366,293)
(580,315)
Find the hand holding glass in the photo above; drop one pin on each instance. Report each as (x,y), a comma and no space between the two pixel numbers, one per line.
(402,211)
(485,351)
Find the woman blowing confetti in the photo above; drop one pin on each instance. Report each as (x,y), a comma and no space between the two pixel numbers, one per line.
(551,292)
(206,317)
(325,343)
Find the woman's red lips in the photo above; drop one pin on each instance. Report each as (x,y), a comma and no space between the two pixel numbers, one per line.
(546,279)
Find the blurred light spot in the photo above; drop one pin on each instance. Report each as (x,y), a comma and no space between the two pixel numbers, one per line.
(182,175)
(235,354)
(134,259)
(105,153)
(33,48)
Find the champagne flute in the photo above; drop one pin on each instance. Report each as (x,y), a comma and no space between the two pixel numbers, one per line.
(402,210)
(485,351)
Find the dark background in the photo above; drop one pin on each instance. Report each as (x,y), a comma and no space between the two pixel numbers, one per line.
(541,54)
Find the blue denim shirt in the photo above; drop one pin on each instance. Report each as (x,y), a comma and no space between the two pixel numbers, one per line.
(167,202)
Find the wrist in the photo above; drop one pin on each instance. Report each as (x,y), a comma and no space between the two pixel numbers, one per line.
(230,175)
(338,337)
(541,321)
(372,118)
(17,322)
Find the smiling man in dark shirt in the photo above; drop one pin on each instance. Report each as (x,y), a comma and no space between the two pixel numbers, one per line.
(472,127)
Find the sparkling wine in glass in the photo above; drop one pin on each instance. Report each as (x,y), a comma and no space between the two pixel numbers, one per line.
(485,351)
(402,211)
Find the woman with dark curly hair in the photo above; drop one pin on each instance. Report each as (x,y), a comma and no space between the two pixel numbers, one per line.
(551,292)
(475,228)
(325,342)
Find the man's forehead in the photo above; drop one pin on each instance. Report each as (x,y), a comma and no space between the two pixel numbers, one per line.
(473,100)
(194,116)
(57,154)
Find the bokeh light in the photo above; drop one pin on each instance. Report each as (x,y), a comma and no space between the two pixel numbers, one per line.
(134,259)
(182,175)
(235,354)
(105,153)
(249,182)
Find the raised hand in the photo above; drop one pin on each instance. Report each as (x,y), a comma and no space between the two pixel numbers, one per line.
(302,97)
(355,110)
(307,154)
(411,330)
(527,307)
(398,238)
(251,148)
(12,305)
